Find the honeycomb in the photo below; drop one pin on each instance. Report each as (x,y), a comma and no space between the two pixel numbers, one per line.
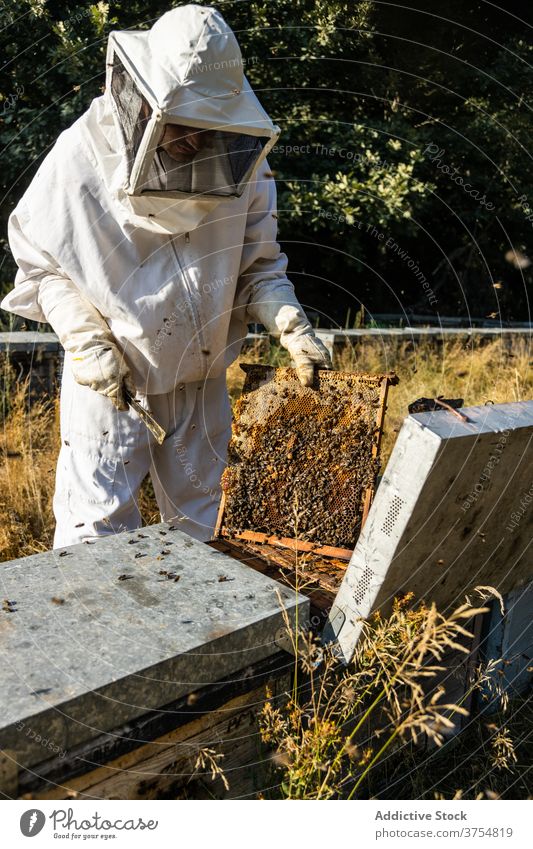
(301,459)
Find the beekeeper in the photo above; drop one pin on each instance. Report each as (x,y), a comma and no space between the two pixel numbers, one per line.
(147,239)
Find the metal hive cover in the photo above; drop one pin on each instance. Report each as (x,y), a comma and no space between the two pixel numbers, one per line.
(303,460)
(115,650)
(452,511)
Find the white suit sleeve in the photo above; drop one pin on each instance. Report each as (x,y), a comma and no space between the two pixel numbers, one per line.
(34,266)
(271,300)
(43,293)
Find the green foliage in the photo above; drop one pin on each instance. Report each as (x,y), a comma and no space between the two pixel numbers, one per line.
(387,115)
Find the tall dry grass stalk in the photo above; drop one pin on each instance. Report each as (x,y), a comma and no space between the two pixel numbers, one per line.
(29,445)
(490,759)
(339,723)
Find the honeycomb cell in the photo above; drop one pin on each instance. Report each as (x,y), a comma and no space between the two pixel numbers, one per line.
(301,459)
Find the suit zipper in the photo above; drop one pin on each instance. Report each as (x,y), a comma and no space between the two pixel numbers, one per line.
(190,298)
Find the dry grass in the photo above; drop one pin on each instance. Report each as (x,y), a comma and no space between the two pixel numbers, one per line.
(340,724)
(348,732)
(491,760)
(479,373)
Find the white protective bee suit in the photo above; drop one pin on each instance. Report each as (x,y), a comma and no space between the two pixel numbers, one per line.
(149,268)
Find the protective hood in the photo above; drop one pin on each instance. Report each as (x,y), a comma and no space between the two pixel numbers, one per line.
(179,129)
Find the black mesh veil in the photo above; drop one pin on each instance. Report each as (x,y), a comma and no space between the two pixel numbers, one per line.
(133,109)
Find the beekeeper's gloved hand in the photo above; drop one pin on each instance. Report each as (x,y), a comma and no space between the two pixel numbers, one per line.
(97,362)
(283,316)
(307,352)
(103,369)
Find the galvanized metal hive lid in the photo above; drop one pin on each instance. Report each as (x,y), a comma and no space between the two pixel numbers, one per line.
(303,460)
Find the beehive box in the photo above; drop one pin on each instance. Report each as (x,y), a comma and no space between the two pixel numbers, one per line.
(122,659)
(452,511)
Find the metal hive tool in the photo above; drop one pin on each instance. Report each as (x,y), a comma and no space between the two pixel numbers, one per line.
(302,461)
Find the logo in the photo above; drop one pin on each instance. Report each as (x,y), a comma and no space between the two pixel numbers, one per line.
(32,822)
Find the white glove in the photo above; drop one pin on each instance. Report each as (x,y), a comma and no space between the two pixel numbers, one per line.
(308,353)
(97,362)
(103,369)
(283,316)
